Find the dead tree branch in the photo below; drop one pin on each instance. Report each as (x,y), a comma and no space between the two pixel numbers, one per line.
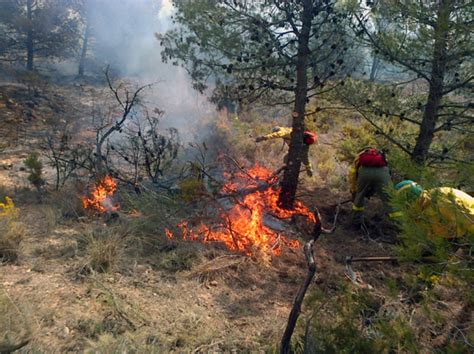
(126,103)
(296,309)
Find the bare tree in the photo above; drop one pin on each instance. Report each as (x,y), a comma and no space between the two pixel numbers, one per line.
(147,149)
(126,101)
(65,157)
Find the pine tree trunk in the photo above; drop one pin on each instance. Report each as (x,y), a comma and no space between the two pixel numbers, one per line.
(289,183)
(85,43)
(29,36)
(374,68)
(430,115)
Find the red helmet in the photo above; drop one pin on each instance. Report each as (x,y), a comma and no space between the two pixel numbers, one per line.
(309,137)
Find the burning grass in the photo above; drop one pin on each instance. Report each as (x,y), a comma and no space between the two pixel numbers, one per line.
(242,227)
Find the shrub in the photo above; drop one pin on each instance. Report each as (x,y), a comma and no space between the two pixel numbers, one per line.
(356,137)
(191,188)
(67,202)
(35,168)
(11,231)
(181,258)
(403,167)
(356,321)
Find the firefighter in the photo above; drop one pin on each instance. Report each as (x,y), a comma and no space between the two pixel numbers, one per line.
(448,212)
(368,175)
(284,133)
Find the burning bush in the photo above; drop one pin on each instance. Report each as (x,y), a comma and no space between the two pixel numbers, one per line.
(242,228)
(11,231)
(100,197)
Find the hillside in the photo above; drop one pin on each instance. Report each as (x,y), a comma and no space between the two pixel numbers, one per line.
(88,282)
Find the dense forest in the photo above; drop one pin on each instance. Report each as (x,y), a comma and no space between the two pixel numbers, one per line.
(288,176)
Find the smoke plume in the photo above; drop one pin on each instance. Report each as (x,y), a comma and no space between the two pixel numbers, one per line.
(124,36)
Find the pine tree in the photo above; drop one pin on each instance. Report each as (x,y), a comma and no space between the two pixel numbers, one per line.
(282,51)
(433,41)
(36,28)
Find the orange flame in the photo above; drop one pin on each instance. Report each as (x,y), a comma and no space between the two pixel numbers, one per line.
(99,199)
(244,229)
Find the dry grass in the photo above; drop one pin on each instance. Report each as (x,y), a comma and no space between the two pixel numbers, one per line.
(15,329)
(219,267)
(67,201)
(180,257)
(10,238)
(59,247)
(104,247)
(50,217)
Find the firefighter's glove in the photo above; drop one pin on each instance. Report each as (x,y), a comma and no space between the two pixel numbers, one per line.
(259,139)
(309,172)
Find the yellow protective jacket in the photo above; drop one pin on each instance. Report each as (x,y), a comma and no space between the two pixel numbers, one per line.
(283,132)
(353,170)
(449,212)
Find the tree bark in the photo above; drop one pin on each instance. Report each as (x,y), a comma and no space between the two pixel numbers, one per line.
(436,85)
(289,183)
(29,36)
(374,68)
(85,43)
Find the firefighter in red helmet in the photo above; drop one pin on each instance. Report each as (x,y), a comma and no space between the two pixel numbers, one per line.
(369,175)
(284,133)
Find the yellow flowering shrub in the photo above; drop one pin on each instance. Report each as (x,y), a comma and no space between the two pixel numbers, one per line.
(11,231)
(8,209)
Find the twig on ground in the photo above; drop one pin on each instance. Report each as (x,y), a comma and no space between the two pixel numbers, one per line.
(115,304)
(201,348)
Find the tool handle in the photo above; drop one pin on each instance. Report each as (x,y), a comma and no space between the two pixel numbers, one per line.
(351,259)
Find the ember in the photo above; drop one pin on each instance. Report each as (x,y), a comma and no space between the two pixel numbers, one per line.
(243,229)
(100,198)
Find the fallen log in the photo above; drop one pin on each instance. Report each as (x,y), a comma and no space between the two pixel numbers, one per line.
(246,191)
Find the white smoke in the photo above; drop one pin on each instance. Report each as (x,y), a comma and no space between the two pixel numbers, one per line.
(166,10)
(124,32)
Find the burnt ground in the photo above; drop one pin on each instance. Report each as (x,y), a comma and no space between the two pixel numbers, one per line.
(220,301)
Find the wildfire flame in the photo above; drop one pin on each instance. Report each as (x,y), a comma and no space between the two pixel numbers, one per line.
(100,198)
(244,229)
